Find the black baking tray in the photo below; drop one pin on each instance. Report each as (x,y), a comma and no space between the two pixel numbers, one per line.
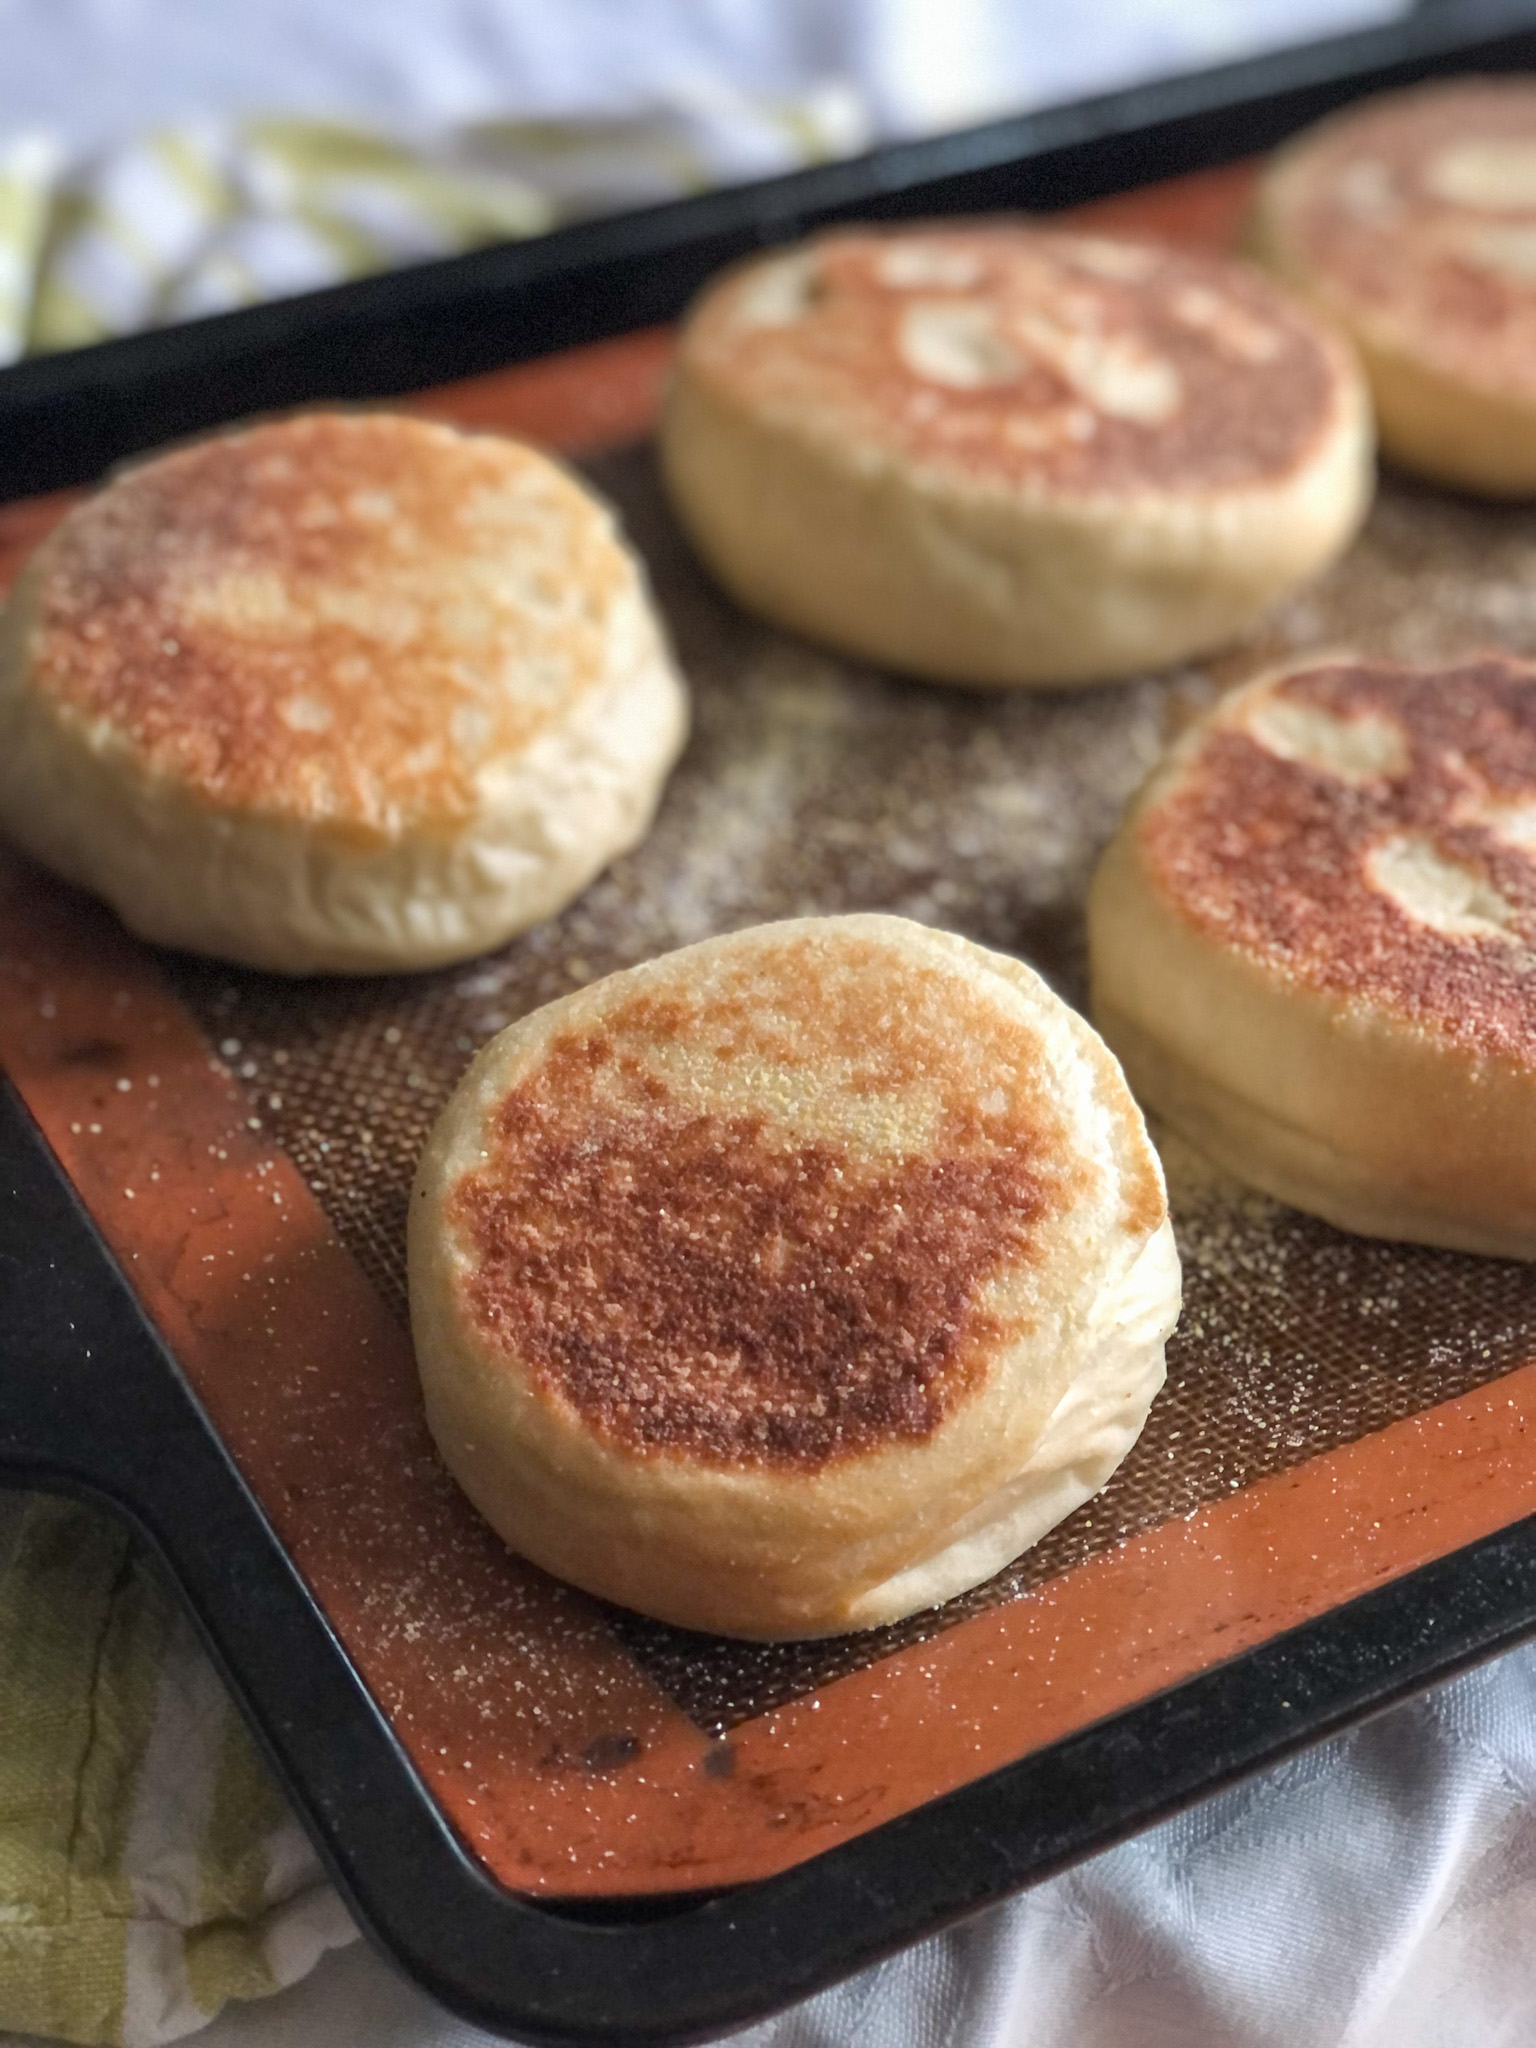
(92,1401)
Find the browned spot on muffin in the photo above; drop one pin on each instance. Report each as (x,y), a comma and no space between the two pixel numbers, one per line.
(1294,865)
(1401,207)
(338,618)
(692,1288)
(1016,355)
(739,1286)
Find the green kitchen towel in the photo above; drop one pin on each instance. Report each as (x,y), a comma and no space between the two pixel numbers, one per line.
(215,214)
(149,1867)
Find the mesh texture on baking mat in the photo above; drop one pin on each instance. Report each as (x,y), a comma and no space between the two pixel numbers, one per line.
(814,785)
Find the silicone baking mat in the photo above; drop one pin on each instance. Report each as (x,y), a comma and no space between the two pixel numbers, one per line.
(1337,1411)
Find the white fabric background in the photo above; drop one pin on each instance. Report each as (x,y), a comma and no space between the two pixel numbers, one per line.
(1378,1893)
(94,71)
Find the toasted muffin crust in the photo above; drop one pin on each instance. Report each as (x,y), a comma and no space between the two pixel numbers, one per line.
(756,1224)
(1417,213)
(345,620)
(1370,832)
(1017,357)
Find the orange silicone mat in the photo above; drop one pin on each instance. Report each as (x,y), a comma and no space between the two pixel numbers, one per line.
(1337,1411)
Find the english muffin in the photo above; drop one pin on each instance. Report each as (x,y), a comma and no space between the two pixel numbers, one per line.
(335,693)
(1410,221)
(791,1282)
(1313,945)
(999,454)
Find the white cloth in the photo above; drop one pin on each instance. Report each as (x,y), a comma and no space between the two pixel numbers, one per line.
(96,72)
(1378,1892)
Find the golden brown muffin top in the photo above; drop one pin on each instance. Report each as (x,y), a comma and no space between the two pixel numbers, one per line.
(346,620)
(1023,358)
(780,1212)
(1369,832)
(1419,211)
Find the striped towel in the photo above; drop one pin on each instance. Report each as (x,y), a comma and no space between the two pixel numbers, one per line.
(149,1868)
(216,214)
